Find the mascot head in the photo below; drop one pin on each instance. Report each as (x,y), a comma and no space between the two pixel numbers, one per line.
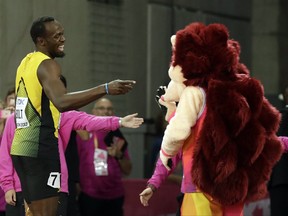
(203,52)
(200,54)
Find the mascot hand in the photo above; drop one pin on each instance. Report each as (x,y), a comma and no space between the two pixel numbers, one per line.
(161,91)
(168,105)
(166,161)
(171,107)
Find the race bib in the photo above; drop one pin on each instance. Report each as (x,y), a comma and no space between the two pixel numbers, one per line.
(21,119)
(100,162)
(54,180)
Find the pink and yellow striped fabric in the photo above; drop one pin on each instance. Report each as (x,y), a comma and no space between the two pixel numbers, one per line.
(197,204)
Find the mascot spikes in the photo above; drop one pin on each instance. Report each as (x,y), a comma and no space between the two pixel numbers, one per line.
(223,124)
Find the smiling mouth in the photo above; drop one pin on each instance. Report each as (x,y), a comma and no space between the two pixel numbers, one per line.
(61,48)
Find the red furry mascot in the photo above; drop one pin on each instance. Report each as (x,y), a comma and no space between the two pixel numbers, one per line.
(223,124)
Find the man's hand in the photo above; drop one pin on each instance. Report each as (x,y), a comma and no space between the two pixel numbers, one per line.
(112,150)
(130,121)
(10,197)
(117,87)
(145,195)
(115,149)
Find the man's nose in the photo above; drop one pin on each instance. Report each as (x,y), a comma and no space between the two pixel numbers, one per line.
(62,38)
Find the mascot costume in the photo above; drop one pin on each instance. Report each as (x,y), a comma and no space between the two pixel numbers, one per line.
(222,123)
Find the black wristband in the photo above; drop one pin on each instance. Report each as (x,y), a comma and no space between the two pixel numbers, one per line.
(153,188)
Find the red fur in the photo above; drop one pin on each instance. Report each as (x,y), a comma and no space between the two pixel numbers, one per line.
(237,146)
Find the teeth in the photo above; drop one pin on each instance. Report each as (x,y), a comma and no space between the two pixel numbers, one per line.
(61,47)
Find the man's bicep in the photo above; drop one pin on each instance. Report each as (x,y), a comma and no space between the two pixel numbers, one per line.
(48,74)
(48,69)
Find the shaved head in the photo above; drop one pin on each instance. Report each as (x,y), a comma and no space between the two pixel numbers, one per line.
(103,107)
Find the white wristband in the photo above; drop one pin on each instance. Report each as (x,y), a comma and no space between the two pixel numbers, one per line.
(106,88)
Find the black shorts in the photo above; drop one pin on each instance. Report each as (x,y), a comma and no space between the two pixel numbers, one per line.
(34,174)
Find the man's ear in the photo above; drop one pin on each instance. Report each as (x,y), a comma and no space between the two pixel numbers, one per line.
(40,41)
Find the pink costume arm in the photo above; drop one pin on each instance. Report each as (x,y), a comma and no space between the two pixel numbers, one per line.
(76,120)
(161,173)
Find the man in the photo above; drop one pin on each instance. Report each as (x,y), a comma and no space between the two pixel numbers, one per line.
(40,98)
(103,160)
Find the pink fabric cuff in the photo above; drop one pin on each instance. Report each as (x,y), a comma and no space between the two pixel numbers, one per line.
(165,154)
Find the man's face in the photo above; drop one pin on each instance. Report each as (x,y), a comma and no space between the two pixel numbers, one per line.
(103,108)
(55,39)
